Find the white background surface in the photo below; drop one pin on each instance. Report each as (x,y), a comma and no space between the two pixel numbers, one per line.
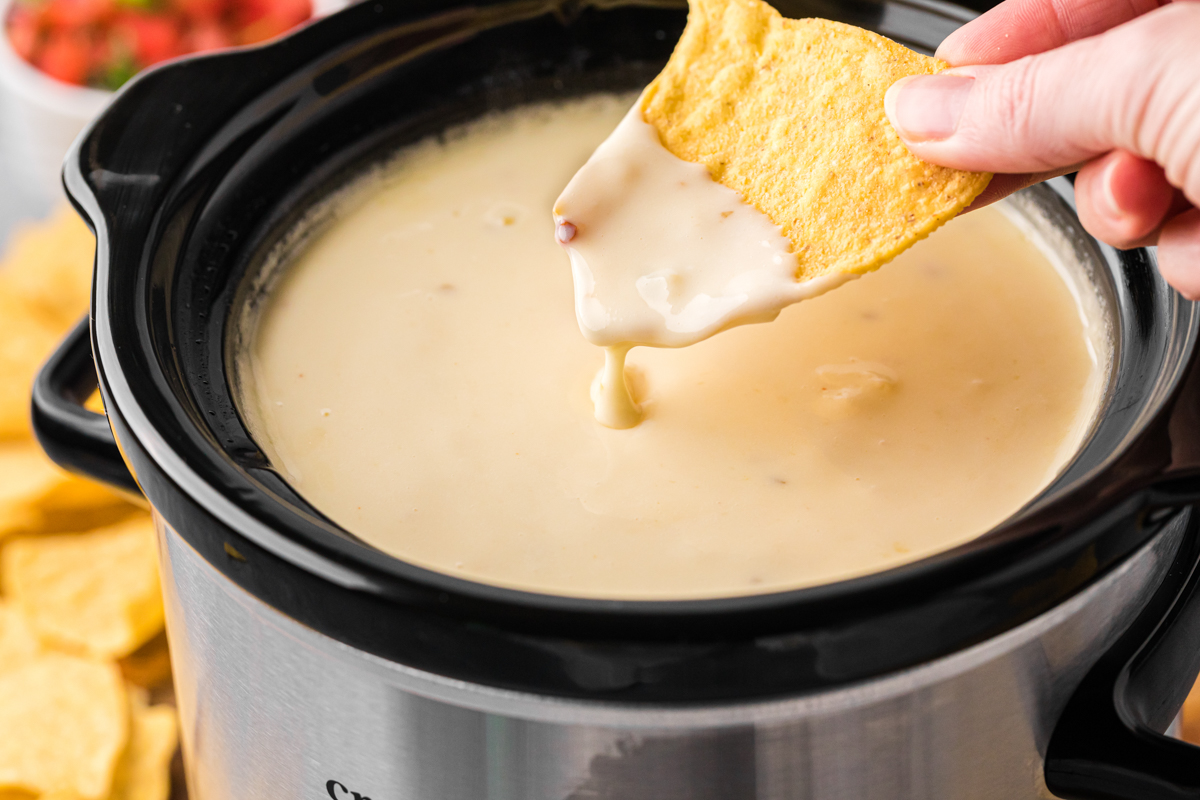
(18,200)
(24,192)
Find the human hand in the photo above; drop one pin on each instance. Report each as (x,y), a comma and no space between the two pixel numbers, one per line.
(1110,88)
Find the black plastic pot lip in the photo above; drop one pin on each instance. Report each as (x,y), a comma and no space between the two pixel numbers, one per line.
(326,552)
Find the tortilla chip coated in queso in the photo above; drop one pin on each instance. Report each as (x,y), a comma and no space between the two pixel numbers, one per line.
(789,114)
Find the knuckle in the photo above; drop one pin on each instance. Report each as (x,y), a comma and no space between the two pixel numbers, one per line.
(1155,91)
(1182,166)
(1014,100)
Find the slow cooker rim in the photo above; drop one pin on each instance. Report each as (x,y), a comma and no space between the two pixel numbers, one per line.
(137,432)
(188,479)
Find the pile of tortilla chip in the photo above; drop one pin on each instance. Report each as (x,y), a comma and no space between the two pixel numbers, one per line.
(84,666)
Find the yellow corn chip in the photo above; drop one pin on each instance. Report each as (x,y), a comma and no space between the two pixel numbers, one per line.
(35,495)
(18,644)
(144,770)
(45,288)
(26,340)
(26,475)
(97,593)
(95,402)
(789,113)
(64,723)
(75,503)
(49,269)
(150,665)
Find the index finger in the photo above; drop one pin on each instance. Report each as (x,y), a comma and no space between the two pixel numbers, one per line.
(1018,28)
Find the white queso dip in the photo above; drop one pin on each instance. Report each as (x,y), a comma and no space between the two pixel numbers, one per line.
(417,373)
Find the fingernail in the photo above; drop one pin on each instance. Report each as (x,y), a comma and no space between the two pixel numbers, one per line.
(927,107)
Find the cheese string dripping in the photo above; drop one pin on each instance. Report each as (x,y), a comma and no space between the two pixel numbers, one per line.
(615,406)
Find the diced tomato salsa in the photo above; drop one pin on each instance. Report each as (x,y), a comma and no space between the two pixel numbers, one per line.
(103,43)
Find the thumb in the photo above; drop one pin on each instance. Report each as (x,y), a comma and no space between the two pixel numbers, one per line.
(1135,87)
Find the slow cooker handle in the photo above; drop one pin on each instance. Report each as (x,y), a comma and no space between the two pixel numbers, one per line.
(1107,745)
(75,438)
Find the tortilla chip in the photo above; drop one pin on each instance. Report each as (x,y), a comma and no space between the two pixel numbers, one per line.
(789,113)
(150,665)
(48,268)
(26,340)
(36,496)
(65,722)
(95,402)
(144,771)
(76,503)
(18,644)
(96,593)
(45,289)
(26,475)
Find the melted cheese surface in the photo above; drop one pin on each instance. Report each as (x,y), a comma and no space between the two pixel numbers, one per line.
(418,375)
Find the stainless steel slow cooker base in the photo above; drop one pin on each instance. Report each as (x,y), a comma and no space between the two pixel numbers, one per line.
(272,709)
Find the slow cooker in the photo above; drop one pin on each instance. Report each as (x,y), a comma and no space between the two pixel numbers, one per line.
(1046,656)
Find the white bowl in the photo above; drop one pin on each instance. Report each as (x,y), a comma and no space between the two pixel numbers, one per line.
(41,116)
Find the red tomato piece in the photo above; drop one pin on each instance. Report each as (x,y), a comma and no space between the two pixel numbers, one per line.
(261,30)
(300,11)
(247,12)
(293,12)
(208,36)
(100,53)
(65,57)
(272,18)
(72,14)
(153,38)
(23,32)
(202,10)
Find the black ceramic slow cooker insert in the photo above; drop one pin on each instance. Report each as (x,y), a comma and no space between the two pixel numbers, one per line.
(309,664)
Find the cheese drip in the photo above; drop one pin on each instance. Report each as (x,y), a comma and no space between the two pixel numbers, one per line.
(663,255)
